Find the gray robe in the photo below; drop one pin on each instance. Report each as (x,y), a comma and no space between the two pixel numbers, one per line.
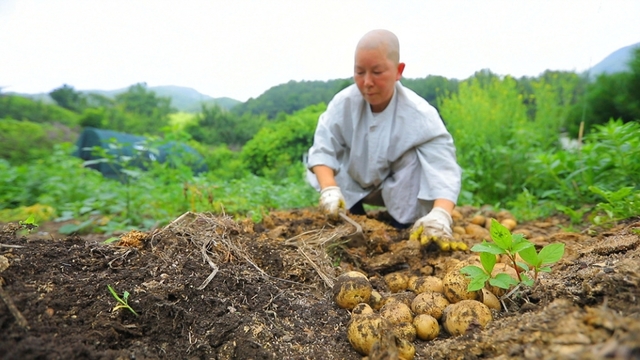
(404,153)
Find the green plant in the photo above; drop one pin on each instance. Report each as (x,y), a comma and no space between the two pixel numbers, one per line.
(123,302)
(576,216)
(29,224)
(510,245)
(621,204)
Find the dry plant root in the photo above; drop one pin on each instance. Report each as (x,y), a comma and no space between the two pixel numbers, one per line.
(22,322)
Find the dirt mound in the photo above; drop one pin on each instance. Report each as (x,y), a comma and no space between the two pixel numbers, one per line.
(208,287)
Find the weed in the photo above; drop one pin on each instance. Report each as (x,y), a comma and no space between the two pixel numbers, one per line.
(621,204)
(122,301)
(29,224)
(510,245)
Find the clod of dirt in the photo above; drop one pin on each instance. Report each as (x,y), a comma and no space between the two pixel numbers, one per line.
(4,263)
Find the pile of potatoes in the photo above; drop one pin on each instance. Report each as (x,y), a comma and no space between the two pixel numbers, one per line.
(417,307)
(476,225)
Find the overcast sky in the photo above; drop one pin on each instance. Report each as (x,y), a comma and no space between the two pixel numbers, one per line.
(241,48)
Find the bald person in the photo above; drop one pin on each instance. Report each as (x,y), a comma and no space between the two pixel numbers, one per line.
(380,143)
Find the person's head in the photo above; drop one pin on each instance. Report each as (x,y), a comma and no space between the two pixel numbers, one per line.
(377,67)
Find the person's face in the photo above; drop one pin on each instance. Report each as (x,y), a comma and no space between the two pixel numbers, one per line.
(376,75)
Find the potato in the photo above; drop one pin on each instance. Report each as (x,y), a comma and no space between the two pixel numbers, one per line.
(430,303)
(504,214)
(479,220)
(426,283)
(478,232)
(405,330)
(352,274)
(396,281)
(510,224)
(376,300)
(396,312)
(350,289)
(427,327)
(456,215)
(406,350)
(489,299)
(364,330)
(458,317)
(361,309)
(405,297)
(455,287)
(459,230)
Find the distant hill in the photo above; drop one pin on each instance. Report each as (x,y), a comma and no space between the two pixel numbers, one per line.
(292,96)
(614,63)
(182,98)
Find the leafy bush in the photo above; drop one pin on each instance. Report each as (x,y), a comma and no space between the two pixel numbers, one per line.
(279,145)
(606,161)
(21,108)
(23,141)
(487,120)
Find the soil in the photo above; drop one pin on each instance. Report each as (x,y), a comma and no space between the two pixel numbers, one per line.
(209,287)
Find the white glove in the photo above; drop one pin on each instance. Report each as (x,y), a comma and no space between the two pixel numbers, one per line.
(436,223)
(331,201)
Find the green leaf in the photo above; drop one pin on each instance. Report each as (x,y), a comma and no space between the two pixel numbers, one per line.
(524,266)
(499,283)
(530,255)
(477,283)
(545,269)
(551,253)
(522,245)
(71,228)
(488,261)
(111,240)
(527,280)
(500,235)
(473,271)
(503,281)
(488,247)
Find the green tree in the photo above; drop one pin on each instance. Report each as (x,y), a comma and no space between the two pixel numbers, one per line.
(66,97)
(93,117)
(278,147)
(216,126)
(610,96)
(432,87)
(140,111)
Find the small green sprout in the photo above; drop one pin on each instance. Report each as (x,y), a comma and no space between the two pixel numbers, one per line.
(29,224)
(510,245)
(122,301)
(111,240)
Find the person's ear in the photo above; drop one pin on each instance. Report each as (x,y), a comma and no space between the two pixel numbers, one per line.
(400,70)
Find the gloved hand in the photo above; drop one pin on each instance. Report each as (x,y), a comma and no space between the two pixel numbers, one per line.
(435,225)
(331,201)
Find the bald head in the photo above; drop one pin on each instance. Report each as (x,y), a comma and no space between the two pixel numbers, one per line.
(381,39)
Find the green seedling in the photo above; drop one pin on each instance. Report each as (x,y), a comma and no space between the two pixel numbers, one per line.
(111,240)
(122,301)
(510,245)
(29,224)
